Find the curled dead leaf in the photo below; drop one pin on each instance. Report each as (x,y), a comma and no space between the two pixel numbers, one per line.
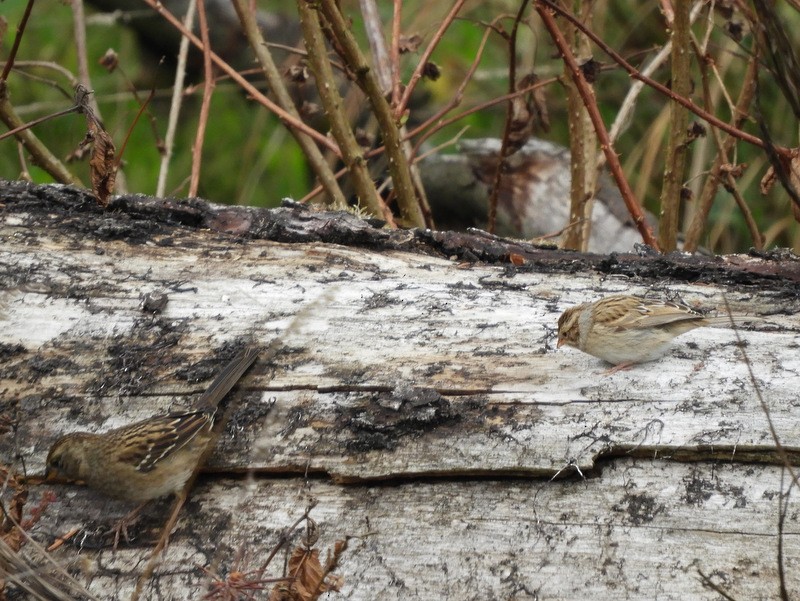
(409,43)
(103,166)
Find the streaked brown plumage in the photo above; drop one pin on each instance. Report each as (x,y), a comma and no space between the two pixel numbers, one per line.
(150,458)
(624,330)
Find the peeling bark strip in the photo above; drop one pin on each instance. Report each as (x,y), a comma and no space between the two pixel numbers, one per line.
(427,380)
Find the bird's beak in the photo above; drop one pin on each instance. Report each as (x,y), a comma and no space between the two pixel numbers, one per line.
(561,342)
(53,474)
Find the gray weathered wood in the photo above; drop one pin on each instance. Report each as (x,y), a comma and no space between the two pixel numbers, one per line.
(402,381)
(641,530)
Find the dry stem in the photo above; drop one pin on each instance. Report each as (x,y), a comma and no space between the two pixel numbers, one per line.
(276,85)
(634,208)
(340,127)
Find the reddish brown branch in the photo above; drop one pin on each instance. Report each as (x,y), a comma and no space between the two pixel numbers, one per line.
(286,118)
(721,169)
(17,40)
(677,145)
(504,151)
(634,208)
(423,61)
(205,106)
(394,55)
(454,101)
(635,74)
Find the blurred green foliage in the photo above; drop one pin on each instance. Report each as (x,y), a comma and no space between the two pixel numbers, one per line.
(249,158)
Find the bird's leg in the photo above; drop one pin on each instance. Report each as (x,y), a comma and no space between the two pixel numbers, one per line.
(169,526)
(121,528)
(620,367)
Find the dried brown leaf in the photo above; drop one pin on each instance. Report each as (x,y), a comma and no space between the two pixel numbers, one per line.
(306,569)
(281,592)
(103,165)
(590,70)
(768,180)
(110,60)
(431,71)
(409,43)
(527,113)
(297,73)
(735,170)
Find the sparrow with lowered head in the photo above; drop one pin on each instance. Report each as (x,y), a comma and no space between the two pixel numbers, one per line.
(625,330)
(150,458)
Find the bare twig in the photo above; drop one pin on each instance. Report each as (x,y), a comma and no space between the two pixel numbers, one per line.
(475,109)
(25,173)
(284,538)
(40,153)
(313,155)
(352,154)
(724,172)
(633,72)
(176,102)
(675,163)
(394,54)
(208,90)
(441,124)
(417,131)
(20,67)
(750,221)
(709,190)
(377,45)
(139,113)
(79,30)
(706,580)
(12,55)
(286,118)
(403,187)
(634,208)
(451,142)
(24,126)
(783,508)
(400,108)
(504,144)
(388,76)
(455,98)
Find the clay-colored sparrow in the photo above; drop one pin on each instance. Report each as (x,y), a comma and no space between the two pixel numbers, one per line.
(150,458)
(625,330)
